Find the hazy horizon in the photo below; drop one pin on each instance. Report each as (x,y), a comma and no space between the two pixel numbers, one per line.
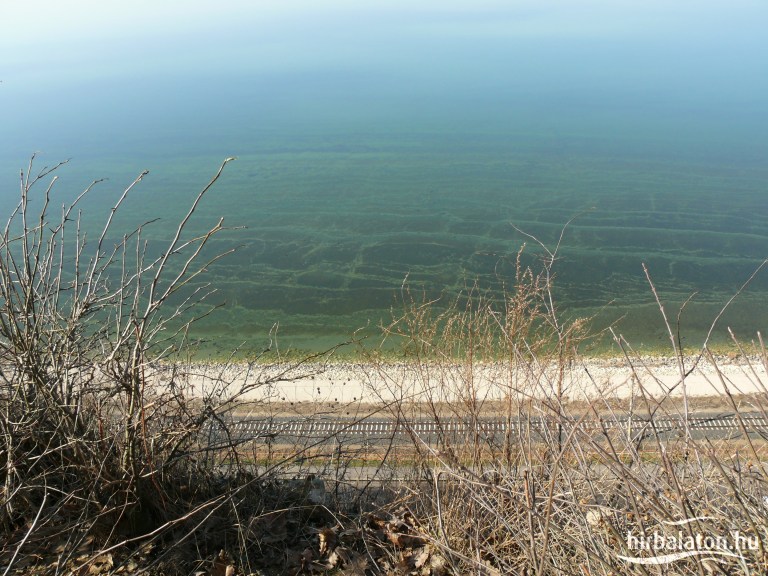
(94,69)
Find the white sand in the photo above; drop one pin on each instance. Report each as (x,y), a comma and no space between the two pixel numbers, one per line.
(350,383)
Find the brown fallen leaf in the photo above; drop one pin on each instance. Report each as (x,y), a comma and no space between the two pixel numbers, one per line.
(333,560)
(400,540)
(130,566)
(356,565)
(420,556)
(438,566)
(327,537)
(223,565)
(376,523)
(101,564)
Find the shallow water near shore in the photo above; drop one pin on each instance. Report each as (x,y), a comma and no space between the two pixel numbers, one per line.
(335,225)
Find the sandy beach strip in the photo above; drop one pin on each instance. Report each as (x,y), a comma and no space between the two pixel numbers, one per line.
(584,379)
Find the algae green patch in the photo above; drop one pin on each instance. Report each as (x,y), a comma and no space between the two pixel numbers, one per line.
(329,233)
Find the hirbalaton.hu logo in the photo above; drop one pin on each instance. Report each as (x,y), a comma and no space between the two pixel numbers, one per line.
(665,547)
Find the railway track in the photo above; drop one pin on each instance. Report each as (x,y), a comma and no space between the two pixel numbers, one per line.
(377,429)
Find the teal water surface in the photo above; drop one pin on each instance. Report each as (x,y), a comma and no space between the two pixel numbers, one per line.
(333,225)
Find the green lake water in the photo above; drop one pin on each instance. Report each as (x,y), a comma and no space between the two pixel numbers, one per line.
(333,231)
(334,223)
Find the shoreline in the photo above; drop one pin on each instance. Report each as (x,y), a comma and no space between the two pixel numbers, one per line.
(586,379)
(349,352)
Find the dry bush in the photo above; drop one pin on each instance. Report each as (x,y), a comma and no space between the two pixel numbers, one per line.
(546,493)
(106,447)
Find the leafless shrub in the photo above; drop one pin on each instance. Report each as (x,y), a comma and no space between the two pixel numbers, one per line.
(105,435)
(545,493)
